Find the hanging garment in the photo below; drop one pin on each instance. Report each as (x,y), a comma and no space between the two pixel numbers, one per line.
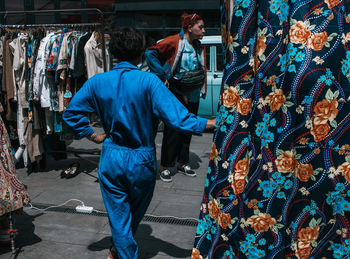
(41,85)
(19,51)
(7,76)
(278,181)
(12,192)
(93,56)
(78,59)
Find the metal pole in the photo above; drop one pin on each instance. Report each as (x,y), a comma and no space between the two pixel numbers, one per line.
(103,45)
(2,8)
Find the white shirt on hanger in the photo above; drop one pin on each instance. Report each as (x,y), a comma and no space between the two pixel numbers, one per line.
(93,56)
(41,86)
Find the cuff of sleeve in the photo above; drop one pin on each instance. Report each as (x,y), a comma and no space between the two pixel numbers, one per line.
(202,125)
(84,133)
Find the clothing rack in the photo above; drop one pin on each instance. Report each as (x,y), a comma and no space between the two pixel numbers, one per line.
(99,25)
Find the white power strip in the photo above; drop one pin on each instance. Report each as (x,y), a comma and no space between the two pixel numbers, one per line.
(84,209)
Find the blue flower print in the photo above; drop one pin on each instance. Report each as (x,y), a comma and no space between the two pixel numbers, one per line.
(288,184)
(323,78)
(223,128)
(300,56)
(292,50)
(239,13)
(229,119)
(273,122)
(276,175)
(245,3)
(308,99)
(328,81)
(273,8)
(340,187)
(262,241)
(267,192)
(266,117)
(281,195)
(291,68)
(250,238)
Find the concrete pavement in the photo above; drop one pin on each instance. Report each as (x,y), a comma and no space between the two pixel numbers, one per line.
(59,233)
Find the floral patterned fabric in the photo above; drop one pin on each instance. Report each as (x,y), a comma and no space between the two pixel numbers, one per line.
(12,192)
(278,182)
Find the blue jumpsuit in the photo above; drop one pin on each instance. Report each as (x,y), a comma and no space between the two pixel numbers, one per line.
(129,103)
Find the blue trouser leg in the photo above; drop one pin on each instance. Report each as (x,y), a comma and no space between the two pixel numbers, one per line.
(127,179)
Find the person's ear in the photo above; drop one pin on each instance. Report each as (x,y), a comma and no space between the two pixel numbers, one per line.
(189,28)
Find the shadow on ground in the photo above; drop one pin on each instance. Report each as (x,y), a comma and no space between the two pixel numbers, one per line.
(149,246)
(26,236)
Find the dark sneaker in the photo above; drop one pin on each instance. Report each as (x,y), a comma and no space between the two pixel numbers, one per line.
(187,171)
(165,176)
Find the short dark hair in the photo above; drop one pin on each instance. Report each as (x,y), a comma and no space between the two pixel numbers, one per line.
(127,44)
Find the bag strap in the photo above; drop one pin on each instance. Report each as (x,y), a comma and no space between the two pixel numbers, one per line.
(199,63)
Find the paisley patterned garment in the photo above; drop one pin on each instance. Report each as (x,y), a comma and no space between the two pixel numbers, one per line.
(12,192)
(278,182)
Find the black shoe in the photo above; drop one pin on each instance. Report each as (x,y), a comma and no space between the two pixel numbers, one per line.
(71,171)
(165,176)
(187,171)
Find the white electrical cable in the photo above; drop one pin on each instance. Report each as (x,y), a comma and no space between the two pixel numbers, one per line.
(55,206)
(104,212)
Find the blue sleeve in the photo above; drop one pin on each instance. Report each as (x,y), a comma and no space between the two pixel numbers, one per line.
(76,114)
(171,111)
(155,65)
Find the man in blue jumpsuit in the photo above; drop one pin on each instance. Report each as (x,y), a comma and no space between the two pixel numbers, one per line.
(128,102)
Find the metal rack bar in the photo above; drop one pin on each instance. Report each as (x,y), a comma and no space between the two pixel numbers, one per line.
(72,25)
(90,10)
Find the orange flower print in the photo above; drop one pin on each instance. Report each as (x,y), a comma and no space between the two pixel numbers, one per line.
(331,3)
(238,185)
(260,45)
(214,152)
(303,172)
(242,167)
(303,253)
(224,220)
(214,210)
(231,97)
(261,222)
(303,141)
(253,204)
(196,254)
(276,99)
(308,235)
(246,78)
(345,170)
(317,11)
(319,132)
(317,151)
(317,41)
(325,111)
(298,33)
(286,162)
(244,106)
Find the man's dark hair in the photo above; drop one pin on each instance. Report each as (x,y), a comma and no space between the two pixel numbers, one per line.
(127,44)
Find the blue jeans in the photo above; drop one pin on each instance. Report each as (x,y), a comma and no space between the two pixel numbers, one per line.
(127,179)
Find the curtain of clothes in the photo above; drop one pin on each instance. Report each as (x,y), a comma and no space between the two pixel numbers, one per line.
(41,71)
(278,181)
